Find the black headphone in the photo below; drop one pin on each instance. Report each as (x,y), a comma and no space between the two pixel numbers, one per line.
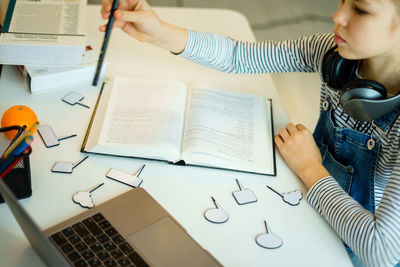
(362,99)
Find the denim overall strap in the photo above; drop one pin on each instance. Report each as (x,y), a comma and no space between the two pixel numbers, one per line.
(348,157)
(385,122)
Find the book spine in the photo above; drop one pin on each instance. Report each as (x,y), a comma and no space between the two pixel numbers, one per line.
(7,20)
(25,76)
(28,79)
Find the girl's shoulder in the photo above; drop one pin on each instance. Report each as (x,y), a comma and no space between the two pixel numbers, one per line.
(320,43)
(314,46)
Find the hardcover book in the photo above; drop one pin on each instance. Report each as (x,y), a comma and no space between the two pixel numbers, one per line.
(45,78)
(187,124)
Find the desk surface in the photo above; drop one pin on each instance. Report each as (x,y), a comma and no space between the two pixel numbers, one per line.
(184,191)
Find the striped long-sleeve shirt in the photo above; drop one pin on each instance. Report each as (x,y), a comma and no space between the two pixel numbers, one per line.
(375,238)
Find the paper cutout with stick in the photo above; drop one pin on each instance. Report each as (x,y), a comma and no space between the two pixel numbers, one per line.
(74,98)
(244,195)
(84,198)
(129,179)
(292,198)
(66,167)
(48,136)
(268,239)
(216,215)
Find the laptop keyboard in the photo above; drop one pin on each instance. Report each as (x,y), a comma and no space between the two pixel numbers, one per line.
(95,242)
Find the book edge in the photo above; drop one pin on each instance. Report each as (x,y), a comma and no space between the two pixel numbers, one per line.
(272,136)
(92,119)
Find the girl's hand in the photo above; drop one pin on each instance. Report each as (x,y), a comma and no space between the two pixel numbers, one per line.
(298,148)
(137,18)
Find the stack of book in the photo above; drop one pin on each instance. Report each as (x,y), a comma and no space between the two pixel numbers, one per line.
(45,78)
(42,32)
(47,40)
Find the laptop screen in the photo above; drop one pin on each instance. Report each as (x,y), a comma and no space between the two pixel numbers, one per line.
(39,242)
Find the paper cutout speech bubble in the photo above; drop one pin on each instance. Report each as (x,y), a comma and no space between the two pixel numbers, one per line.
(292,198)
(268,239)
(129,179)
(244,195)
(74,98)
(84,198)
(66,167)
(48,136)
(216,215)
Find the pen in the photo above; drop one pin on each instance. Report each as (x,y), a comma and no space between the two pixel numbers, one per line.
(105,41)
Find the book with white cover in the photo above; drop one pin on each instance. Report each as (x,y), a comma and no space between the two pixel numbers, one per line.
(45,78)
(195,125)
(48,32)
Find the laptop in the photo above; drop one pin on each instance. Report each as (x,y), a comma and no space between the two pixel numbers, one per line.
(132,229)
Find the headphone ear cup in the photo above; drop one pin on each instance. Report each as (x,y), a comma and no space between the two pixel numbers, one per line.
(326,68)
(336,70)
(363,89)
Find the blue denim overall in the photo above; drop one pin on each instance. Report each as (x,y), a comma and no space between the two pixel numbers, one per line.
(351,157)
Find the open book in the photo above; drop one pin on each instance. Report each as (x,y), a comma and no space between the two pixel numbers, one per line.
(197,125)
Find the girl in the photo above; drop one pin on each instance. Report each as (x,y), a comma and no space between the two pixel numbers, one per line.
(351,163)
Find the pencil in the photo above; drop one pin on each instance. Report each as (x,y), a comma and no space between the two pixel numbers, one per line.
(105,42)
(10,167)
(13,164)
(22,146)
(15,153)
(19,140)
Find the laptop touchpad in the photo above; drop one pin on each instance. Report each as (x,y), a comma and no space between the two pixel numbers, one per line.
(165,243)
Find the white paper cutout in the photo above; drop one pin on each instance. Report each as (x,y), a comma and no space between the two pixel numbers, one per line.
(66,167)
(63,167)
(84,198)
(126,178)
(268,239)
(74,98)
(216,215)
(292,198)
(48,136)
(244,195)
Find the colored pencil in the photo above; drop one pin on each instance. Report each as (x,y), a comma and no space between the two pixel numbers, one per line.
(13,164)
(19,140)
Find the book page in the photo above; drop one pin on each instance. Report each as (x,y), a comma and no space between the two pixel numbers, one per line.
(48,17)
(143,118)
(228,129)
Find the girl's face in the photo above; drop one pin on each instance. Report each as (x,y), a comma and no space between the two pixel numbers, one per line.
(367,28)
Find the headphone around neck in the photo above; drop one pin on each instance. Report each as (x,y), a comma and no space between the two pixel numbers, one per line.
(362,99)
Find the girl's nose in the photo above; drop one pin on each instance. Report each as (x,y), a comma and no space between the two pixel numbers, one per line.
(341,15)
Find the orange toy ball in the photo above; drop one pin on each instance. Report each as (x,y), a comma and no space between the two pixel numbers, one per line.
(18,115)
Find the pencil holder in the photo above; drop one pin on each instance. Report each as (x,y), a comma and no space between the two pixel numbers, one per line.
(18,178)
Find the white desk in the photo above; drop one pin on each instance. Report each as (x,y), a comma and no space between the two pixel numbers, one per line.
(184,191)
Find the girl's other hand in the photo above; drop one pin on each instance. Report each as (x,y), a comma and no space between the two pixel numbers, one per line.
(298,148)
